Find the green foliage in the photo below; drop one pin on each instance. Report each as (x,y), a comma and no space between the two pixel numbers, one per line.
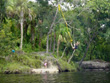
(12,67)
(27,48)
(21,63)
(27,60)
(65,66)
(2,63)
(2,11)
(7,40)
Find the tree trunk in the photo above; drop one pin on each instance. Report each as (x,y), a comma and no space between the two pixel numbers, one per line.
(63,52)
(40,39)
(51,42)
(58,43)
(71,57)
(84,53)
(32,36)
(92,52)
(47,47)
(21,24)
(54,42)
(90,40)
(25,29)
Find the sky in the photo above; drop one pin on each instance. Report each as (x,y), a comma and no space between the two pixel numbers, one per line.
(62,6)
(32,0)
(50,2)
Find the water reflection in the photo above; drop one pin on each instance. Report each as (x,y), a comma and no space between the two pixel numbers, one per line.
(45,78)
(49,78)
(66,77)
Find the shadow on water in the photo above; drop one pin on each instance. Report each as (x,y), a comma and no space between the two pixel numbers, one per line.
(65,77)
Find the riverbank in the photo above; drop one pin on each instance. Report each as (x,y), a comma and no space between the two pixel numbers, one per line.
(25,63)
(99,65)
(34,63)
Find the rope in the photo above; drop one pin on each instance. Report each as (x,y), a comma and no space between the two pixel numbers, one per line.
(60,10)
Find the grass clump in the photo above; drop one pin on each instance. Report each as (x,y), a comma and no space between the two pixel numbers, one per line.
(20,63)
(13,67)
(2,63)
(65,66)
(28,60)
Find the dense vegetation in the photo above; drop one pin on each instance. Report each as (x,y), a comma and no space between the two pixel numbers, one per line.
(27,26)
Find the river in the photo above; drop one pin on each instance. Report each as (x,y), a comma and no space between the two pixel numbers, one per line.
(64,77)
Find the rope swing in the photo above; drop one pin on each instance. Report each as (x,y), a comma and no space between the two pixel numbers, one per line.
(75,44)
(60,10)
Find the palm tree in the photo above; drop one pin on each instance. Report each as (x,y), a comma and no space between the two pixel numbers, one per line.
(32,19)
(63,37)
(18,7)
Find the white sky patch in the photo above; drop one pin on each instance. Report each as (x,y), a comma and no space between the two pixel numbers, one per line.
(83,4)
(51,2)
(67,6)
(64,6)
(32,0)
(103,26)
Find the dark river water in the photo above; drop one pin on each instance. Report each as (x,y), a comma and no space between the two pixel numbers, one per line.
(65,77)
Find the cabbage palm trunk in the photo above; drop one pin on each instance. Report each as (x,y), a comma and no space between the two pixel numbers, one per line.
(21,24)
